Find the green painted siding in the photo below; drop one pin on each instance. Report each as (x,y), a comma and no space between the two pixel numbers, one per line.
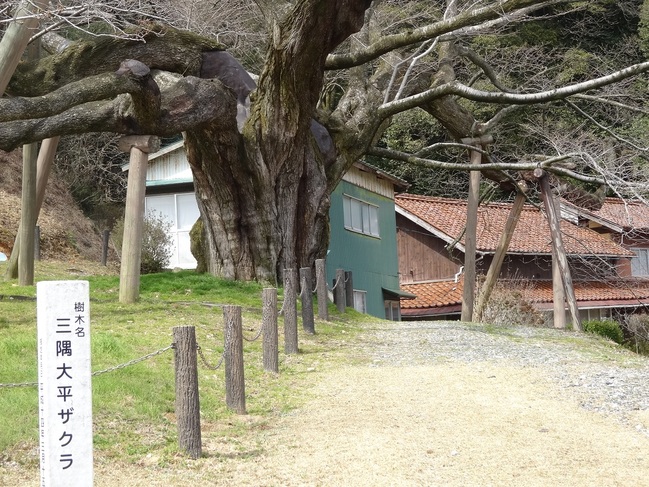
(373,261)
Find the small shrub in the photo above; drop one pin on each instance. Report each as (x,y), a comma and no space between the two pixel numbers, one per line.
(607,328)
(507,306)
(637,331)
(156,242)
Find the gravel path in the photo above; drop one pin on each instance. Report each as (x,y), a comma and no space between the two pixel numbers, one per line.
(604,377)
(440,404)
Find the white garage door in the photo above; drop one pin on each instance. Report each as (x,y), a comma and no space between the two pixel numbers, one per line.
(181,212)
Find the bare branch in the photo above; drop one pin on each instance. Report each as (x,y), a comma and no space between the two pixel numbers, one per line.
(459,89)
(94,88)
(184,105)
(496,10)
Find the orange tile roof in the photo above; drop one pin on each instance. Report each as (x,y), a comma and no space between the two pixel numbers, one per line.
(433,294)
(626,214)
(532,234)
(448,294)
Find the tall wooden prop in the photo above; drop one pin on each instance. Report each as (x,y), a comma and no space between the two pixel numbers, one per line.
(499,257)
(28,201)
(129,277)
(468,291)
(557,245)
(16,37)
(43,168)
(558,294)
(28,216)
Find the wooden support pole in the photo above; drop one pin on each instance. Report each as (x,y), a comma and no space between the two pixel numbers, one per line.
(15,39)
(321,289)
(558,292)
(187,398)
(37,243)
(235,389)
(557,244)
(339,290)
(306,296)
(28,213)
(470,243)
(28,216)
(349,289)
(129,279)
(558,295)
(270,343)
(44,166)
(290,311)
(499,257)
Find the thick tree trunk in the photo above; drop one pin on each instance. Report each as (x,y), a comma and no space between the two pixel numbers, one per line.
(264,192)
(256,223)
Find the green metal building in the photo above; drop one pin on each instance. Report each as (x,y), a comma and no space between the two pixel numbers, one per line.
(364,239)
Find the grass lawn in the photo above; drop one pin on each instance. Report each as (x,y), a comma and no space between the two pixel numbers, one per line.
(133,407)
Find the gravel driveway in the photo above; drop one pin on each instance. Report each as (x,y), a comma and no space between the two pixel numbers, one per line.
(443,404)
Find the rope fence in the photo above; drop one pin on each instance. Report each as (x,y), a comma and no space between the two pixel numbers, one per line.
(187,352)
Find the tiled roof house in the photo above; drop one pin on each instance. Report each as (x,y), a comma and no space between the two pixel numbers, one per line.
(430,234)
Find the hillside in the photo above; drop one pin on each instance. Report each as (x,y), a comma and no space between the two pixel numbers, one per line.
(65,232)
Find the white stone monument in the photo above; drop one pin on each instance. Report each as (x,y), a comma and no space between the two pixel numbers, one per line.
(64,383)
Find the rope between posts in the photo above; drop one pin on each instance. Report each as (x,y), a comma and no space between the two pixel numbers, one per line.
(206,363)
(261,328)
(104,371)
(335,285)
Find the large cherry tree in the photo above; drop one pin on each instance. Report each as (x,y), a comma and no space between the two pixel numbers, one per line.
(266,151)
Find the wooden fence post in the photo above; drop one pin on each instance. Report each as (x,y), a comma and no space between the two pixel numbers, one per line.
(269,323)
(339,290)
(290,311)
(306,296)
(187,399)
(235,389)
(321,286)
(104,247)
(349,289)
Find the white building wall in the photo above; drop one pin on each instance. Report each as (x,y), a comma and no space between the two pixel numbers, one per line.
(180,210)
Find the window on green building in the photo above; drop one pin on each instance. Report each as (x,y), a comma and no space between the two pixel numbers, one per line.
(360,216)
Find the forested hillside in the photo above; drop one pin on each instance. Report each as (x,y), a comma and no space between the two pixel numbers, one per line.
(65,231)
(564,43)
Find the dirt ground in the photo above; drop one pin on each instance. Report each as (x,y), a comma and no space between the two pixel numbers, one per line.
(443,424)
